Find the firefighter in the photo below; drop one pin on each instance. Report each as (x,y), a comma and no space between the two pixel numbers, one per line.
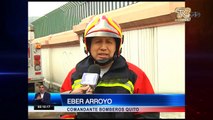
(103,42)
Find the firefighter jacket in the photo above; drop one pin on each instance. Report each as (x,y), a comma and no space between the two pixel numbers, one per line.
(121,78)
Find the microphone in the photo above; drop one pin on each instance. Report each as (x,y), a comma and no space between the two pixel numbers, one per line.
(92,76)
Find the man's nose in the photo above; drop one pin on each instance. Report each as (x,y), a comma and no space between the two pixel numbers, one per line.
(103,46)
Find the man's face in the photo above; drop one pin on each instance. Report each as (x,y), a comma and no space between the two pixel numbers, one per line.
(41,88)
(102,48)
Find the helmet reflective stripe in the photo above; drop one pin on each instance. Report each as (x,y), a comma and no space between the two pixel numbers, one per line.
(91,25)
(102,26)
(128,85)
(77,84)
(99,33)
(115,25)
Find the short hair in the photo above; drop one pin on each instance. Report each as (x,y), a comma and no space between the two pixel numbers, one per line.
(41,85)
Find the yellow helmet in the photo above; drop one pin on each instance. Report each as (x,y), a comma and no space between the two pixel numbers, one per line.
(103,26)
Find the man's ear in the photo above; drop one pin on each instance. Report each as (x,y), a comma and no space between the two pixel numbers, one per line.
(85,47)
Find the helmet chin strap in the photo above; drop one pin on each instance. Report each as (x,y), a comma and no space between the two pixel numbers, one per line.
(105,61)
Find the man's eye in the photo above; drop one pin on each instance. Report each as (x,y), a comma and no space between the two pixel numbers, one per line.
(97,41)
(109,42)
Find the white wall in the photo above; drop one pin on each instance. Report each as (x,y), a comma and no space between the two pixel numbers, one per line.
(160,53)
(138,48)
(58,61)
(171,58)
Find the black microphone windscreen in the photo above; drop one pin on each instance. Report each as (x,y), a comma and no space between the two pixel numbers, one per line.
(94,68)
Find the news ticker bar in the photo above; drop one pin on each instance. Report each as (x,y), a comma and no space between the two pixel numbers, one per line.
(107,109)
(166,100)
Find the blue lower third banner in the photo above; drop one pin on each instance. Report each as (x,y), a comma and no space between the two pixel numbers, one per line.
(112,103)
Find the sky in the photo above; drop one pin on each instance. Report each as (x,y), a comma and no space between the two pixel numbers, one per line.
(38,9)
